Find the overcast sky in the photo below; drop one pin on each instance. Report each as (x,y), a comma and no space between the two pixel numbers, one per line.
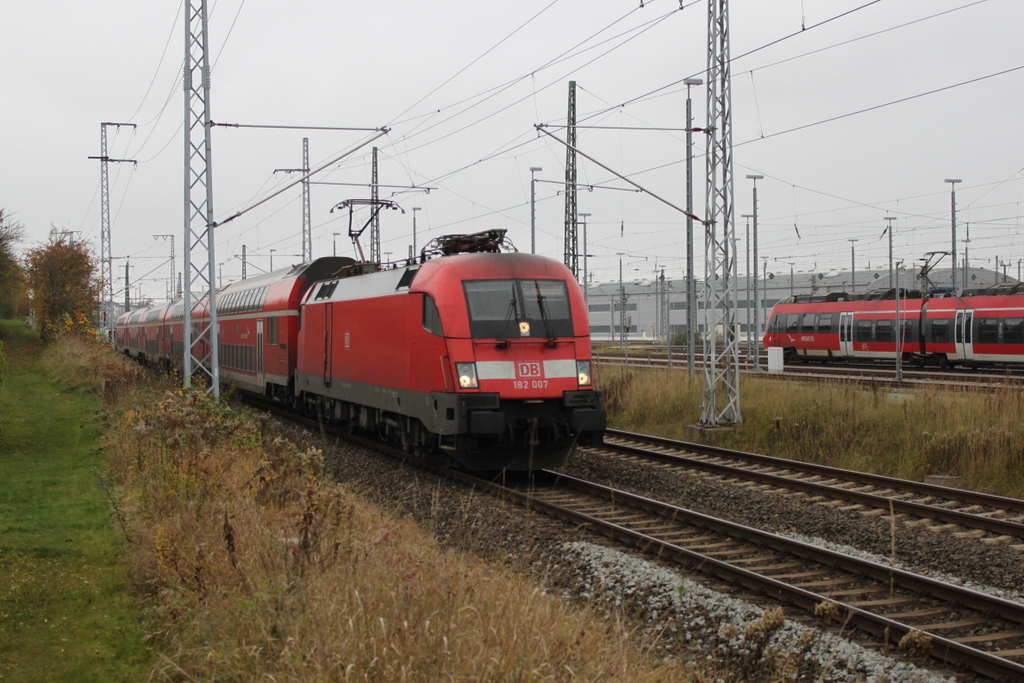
(853,110)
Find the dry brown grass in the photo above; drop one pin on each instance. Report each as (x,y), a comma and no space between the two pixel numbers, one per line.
(909,434)
(80,362)
(253,567)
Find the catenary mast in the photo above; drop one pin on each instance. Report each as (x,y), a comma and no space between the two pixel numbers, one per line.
(721,400)
(201,353)
(571,242)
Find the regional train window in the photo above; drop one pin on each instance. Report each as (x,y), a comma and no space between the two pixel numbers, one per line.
(1013,331)
(862,332)
(501,309)
(431,318)
(793,323)
(940,330)
(825,323)
(808,323)
(883,331)
(988,331)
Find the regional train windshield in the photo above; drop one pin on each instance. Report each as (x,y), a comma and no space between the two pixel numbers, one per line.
(510,309)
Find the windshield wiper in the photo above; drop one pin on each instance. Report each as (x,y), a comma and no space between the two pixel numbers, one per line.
(544,317)
(502,342)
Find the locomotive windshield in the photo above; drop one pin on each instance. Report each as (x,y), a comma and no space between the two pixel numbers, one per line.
(509,309)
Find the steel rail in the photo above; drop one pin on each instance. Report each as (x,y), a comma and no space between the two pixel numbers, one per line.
(934,490)
(944,649)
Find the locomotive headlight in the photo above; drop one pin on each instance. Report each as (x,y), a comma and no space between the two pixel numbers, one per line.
(467,375)
(583,372)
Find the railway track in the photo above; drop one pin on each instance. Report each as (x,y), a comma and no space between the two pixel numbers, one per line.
(955,625)
(990,519)
(857,372)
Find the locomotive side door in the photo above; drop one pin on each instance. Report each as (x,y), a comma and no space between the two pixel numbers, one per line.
(846,334)
(962,335)
(259,349)
(328,342)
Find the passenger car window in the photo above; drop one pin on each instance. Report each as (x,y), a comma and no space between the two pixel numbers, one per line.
(825,323)
(940,330)
(808,323)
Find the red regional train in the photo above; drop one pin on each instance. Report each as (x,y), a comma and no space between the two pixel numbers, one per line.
(981,326)
(471,356)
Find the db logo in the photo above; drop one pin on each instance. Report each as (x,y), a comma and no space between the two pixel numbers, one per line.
(528,370)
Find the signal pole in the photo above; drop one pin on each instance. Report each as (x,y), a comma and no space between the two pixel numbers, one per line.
(106,255)
(952,219)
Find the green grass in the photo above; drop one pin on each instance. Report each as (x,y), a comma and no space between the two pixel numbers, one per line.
(65,610)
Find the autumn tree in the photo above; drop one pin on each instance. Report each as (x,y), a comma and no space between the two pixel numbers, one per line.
(64,285)
(11,275)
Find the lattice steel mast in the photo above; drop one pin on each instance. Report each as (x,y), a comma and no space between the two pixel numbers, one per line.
(201,352)
(307,221)
(307,218)
(721,400)
(571,241)
(375,222)
(106,254)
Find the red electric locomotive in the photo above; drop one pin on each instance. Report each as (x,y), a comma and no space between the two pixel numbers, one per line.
(475,357)
(984,325)
(482,358)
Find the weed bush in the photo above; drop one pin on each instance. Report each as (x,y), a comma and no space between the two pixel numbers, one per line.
(254,567)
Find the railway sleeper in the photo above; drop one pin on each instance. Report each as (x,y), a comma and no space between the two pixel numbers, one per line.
(838,581)
(798,575)
(974,533)
(919,613)
(951,625)
(990,637)
(766,568)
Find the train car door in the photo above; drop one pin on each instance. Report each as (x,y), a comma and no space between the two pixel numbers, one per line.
(259,349)
(962,335)
(846,334)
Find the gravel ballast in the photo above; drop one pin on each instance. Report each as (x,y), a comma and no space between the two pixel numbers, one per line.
(575,564)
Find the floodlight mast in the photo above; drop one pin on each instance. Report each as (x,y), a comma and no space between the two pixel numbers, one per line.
(691,286)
